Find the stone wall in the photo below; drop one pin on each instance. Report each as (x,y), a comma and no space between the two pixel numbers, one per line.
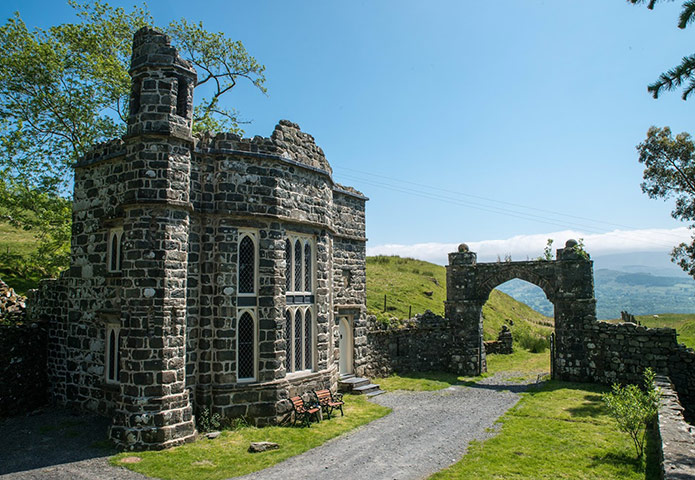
(503,345)
(419,344)
(676,437)
(23,379)
(619,353)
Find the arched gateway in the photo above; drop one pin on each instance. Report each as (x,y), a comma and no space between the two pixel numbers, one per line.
(567,282)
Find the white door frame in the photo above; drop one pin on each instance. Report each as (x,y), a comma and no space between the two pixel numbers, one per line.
(345,345)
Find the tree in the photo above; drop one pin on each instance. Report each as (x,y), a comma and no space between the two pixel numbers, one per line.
(669,164)
(669,171)
(683,74)
(633,409)
(66,88)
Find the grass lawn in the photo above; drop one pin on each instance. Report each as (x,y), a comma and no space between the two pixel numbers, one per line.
(528,365)
(559,431)
(227,456)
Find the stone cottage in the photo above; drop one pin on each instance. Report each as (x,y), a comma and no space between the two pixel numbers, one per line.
(219,271)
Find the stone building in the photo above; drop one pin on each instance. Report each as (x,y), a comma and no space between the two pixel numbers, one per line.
(219,271)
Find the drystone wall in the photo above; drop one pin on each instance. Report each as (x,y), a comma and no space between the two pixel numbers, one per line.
(503,345)
(419,344)
(676,437)
(619,353)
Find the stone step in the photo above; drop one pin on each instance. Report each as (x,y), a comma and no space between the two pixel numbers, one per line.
(344,376)
(349,384)
(366,389)
(375,393)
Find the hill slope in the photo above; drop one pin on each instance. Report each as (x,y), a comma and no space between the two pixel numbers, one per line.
(415,285)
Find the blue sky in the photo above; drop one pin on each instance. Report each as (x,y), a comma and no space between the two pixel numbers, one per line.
(455,116)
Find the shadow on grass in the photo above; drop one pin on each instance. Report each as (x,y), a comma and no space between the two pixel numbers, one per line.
(592,407)
(619,459)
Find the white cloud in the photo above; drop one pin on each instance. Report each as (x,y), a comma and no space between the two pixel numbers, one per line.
(521,247)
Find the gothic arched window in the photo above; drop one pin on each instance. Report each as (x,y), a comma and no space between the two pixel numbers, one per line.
(247,265)
(246,348)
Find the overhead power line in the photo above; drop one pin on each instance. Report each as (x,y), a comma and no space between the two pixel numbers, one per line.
(481,203)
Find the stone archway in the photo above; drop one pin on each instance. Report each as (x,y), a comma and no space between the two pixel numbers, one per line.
(567,282)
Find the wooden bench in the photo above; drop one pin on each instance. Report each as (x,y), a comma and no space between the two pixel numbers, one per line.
(328,402)
(304,411)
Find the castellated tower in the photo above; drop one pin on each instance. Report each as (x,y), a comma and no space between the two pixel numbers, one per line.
(154,407)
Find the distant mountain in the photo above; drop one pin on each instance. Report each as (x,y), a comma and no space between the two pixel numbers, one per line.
(638,293)
(656,263)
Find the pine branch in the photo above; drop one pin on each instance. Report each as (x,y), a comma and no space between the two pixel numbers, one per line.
(674,78)
(688,14)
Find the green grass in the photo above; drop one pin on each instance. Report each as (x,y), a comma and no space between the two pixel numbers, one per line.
(16,244)
(419,381)
(227,456)
(16,241)
(524,364)
(684,323)
(559,431)
(521,361)
(407,283)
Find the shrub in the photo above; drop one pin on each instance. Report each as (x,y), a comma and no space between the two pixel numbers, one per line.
(634,409)
(207,420)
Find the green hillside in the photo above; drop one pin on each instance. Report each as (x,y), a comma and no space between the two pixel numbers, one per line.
(15,246)
(684,323)
(415,285)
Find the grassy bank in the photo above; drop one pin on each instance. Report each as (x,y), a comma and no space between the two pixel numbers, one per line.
(559,431)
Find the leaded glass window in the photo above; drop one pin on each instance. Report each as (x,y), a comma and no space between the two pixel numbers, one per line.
(298,266)
(308,357)
(288,265)
(288,341)
(298,317)
(247,265)
(307,267)
(246,347)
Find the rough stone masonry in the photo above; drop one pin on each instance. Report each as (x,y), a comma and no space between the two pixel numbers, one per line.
(210,271)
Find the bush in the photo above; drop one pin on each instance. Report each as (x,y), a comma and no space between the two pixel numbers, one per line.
(207,421)
(634,409)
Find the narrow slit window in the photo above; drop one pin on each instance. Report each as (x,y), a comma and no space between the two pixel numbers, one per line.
(114,250)
(182,97)
(112,355)
(246,348)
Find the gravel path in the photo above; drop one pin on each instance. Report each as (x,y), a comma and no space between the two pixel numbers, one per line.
(58,444)
(426,432)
